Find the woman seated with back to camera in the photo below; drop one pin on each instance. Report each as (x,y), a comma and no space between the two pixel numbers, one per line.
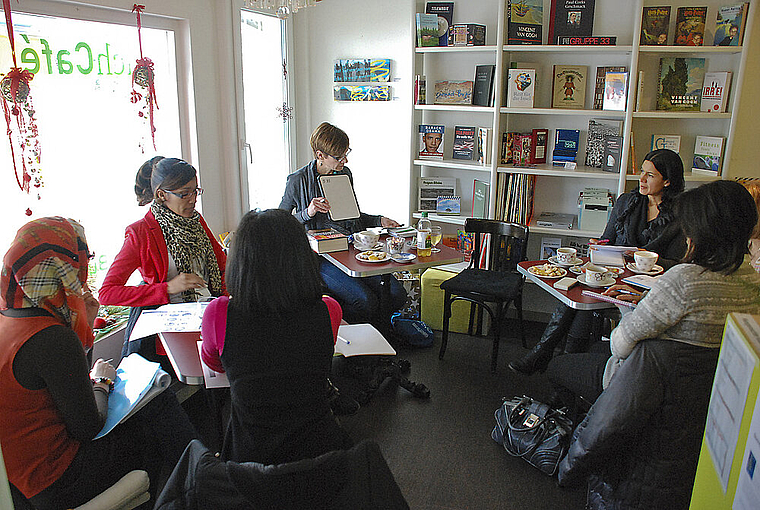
(172,247)
(51,403)
(640,218)
(275,338)
(640,441)
(753,258)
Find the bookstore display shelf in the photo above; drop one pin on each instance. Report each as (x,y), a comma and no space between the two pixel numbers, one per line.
(580,171)
(457,49)
(554,48)
(611,114)
(690,49)
(574,232)
(454,163)
(661,114)
(442,218)
(454,108)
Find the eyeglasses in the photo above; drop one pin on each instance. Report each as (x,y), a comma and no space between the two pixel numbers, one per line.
(185,194)
(344,157)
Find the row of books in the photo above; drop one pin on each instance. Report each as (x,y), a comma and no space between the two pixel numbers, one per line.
(514,197)
(691,25)
(478,92)
(436,27)
(470,143)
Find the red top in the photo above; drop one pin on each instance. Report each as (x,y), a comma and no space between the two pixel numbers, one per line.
(214,328)
(145,249)
(36,446)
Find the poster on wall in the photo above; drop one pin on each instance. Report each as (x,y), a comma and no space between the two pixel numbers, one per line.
(362,93)
(362,70)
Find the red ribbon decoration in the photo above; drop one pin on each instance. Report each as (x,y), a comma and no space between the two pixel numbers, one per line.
(146,63)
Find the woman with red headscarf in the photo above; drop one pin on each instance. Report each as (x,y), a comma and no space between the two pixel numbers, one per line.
(51,403)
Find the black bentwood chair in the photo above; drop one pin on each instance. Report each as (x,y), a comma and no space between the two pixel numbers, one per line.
(491,289)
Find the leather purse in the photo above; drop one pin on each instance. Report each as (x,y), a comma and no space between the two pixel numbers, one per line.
(534,431)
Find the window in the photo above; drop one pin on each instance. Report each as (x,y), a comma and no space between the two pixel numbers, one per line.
(89,131)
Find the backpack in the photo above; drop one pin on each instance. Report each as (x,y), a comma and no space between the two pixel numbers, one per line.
(413,332)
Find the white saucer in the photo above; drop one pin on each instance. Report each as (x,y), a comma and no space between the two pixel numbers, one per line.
(378,246)
(655,270)
(553,260)
(403,257)
(582,269)
(582,279)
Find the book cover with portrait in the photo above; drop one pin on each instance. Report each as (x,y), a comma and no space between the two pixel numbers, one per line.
(570,18)
(431,141)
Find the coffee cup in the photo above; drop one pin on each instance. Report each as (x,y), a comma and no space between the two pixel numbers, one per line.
(365,240)
(394,244)
(565,255)
(645,260)
(597,274)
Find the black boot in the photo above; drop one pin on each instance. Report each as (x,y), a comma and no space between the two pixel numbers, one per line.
(538,358)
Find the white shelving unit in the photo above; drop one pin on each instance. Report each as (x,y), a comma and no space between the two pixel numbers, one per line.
(557,188)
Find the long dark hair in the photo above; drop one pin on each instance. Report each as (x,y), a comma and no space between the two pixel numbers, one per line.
(271,268)
(717,219)
(161,173)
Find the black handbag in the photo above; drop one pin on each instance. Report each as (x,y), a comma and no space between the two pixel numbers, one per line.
(534,431)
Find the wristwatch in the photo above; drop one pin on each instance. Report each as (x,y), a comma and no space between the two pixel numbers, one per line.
(106,380)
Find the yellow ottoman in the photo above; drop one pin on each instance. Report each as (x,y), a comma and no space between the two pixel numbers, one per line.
(432,303)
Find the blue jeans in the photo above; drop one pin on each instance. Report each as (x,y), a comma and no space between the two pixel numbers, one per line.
(360,297)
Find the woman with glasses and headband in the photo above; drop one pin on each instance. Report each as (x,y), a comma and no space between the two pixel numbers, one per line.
(172,247)
(359,297)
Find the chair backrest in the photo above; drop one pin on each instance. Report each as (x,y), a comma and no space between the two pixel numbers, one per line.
(508,245)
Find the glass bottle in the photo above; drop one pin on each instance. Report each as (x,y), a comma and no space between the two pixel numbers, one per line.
(424,240)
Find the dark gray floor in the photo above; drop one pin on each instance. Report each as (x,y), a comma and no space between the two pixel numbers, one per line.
(440,450)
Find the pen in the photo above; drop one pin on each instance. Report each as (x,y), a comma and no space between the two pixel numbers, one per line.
(621,291)
(344,340)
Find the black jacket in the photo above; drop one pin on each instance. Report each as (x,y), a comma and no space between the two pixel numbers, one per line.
(639,444)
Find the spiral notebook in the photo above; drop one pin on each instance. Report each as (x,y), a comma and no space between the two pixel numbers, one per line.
(609,299)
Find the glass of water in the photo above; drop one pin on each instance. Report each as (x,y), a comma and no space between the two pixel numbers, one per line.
(435,237)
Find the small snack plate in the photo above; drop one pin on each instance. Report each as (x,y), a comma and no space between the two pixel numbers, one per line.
(553,260)
(582,279)
(373,256)
(547,271)
(404,257)
(655,270)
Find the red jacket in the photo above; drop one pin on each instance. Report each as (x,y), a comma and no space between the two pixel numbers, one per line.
(145,249)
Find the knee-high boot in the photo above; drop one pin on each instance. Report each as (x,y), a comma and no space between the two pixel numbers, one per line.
(538,358)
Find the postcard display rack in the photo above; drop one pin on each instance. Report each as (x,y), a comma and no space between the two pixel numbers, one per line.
(556,188)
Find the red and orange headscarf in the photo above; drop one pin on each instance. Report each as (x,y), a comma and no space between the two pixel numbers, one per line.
(46,267)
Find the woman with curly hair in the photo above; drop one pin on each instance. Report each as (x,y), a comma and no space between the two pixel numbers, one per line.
(643,218)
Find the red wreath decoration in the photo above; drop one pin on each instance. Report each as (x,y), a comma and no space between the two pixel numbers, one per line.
(144,76)
(17,102)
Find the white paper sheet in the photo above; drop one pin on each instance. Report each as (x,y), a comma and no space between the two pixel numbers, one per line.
(361,339)
(747,495)
(172,317)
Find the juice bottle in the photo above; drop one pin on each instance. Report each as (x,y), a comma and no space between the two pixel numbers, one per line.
(424,239)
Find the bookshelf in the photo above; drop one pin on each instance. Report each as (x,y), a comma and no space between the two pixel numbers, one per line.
(556,188)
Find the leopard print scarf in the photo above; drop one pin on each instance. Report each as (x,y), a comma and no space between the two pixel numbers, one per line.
(189,246)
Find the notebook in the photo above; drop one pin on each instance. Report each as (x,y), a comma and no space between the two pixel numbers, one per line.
(337,189)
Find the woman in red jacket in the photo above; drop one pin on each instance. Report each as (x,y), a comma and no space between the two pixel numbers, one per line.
(172,247)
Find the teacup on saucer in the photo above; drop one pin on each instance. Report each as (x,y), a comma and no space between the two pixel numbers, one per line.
(572,262)
(605,283)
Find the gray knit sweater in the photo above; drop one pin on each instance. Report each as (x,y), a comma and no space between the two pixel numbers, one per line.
(688,304)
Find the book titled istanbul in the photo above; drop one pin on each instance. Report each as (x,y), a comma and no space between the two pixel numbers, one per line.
(680,83)
(569,87)
(715,91)
(655,22)
(431,141)
(690,26)
(573,18)
(708,152)
(525,21)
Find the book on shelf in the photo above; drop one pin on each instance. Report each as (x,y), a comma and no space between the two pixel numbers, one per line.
(480,198)
(517,198)
(521,87)
(556,220)
(468,34)
(482,92)
(521,149)
(632,156)
(448,205)
(453,92)
(431,141)
(507,141)
(525,21)
(730,23)
(715,92)
(655,22)
(549,247)
(430,188)
(672,142)
(690,26)
(594,40)
(615,91)
(565,146)
(613,153)
(639,91)
(609,299)
(427,29)
(327,240)
(445,13)
(570,18)
(597,130)
(599,87)
(483,146)
(539,139)
(569,86)
(420,89)
(708,153)
(680,83)
(464,142)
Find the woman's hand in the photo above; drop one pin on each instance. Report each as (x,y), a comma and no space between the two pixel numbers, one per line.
(91,306)
(388,223)
(102,368)
(624,293)
(317,204)
(183,282)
